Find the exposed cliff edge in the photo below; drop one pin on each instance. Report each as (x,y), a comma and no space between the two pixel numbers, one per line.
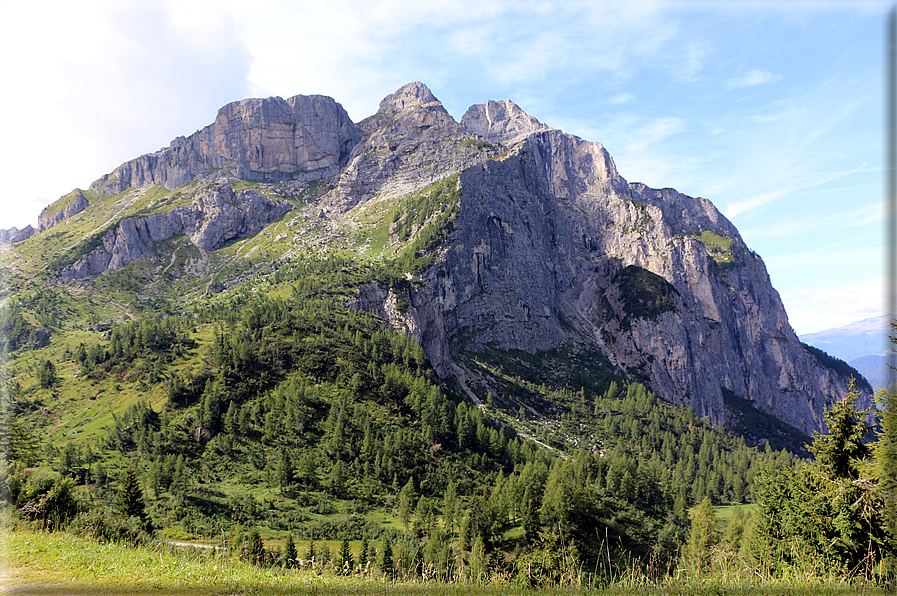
(16,235)
(304,137)
(553,246)
(548,247)
(70,205)
(216,216)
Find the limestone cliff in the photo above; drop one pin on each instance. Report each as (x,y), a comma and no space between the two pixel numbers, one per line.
(553,246)
(304,137)
(16,235)
(217,215)
(549,246)
(69,206)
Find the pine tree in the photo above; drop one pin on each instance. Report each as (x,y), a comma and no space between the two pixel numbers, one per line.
(312,552)
(129,500)
(344,561)
(290,554)
(386,563)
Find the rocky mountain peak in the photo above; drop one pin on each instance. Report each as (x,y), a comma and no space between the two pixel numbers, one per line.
(306,137)
(407,96)
(549,247)
(500,121)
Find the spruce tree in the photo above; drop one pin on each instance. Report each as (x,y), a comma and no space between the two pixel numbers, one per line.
(364,554)
(840,452)
(886,468)
(129,500)
(448,507)
(827,514)
(344,561)
(386,563)
(255,549)
(290,554)
(406,500)
(285,471)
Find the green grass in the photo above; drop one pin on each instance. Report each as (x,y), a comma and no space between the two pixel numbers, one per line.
(725,512)
(60,563)
(718,247)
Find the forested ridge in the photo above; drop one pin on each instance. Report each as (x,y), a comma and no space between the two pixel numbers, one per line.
(284,420)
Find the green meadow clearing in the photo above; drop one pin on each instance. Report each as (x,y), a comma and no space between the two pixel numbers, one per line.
(63,564)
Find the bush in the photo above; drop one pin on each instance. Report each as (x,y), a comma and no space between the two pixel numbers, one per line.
(106,525)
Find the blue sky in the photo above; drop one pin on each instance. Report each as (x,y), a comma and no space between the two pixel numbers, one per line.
(772,110)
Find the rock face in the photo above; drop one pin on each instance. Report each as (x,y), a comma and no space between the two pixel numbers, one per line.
(216,216)
(304,137)
(500,121)
(16,235)
(551,246)
(411,142)
(73,203)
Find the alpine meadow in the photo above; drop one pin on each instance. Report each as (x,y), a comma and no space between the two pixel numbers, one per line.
(293,353)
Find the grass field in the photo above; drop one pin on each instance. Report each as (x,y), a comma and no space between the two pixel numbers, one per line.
(60,563)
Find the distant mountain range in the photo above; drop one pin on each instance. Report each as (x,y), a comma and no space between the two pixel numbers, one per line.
(861,344)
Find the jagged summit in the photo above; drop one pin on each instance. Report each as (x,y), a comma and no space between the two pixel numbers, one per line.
(406,96)
(500,121)
(516,237)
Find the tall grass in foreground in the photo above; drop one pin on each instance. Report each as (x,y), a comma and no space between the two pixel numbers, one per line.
(61,563)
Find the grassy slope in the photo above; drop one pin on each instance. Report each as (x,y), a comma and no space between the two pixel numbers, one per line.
(59,563)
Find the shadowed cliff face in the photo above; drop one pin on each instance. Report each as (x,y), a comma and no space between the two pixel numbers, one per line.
(537,260)
(538,257)
(551,246)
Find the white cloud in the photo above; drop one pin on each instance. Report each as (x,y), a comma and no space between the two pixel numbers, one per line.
(96,83)
(811,311)
(621,98)
(655,132)
(752,79)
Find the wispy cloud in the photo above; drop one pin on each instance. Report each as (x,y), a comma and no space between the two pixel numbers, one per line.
(811,311)
(621,98)
(818,222)
(752,79)
(655,132)
(790,186)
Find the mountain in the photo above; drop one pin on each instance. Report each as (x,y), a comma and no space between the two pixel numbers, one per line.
(504,245)
(862,344)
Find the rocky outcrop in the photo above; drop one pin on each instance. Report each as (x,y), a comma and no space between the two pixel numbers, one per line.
(216,216)
(14,234)
(411,142)
(500,121)
(305,137)
(551,247)
(71,204)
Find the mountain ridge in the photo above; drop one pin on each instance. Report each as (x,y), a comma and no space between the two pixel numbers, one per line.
(539,244)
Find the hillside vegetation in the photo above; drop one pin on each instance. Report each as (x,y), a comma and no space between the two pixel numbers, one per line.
(338,374)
